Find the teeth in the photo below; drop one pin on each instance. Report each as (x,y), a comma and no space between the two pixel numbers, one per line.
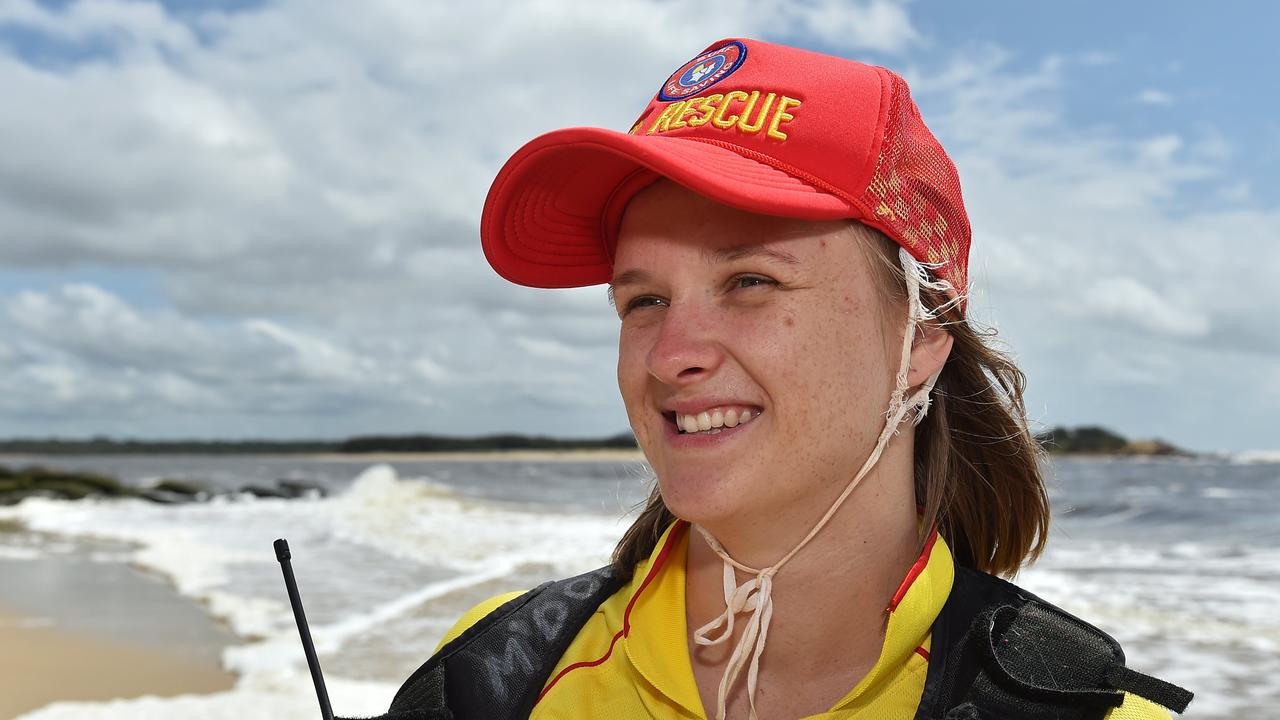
(711,422)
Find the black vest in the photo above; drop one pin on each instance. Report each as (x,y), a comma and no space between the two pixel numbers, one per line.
(998,653)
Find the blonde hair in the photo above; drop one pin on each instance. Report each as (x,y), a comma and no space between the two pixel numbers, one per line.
(976,466)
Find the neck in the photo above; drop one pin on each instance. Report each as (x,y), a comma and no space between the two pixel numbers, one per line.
(830,597)
(880,510)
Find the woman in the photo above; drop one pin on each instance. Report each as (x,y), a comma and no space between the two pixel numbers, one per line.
(786,246)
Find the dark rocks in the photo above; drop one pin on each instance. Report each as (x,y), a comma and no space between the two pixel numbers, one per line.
(36,481)
(262,492)
(164,498)
(300,488)
(178,487)
(43,482)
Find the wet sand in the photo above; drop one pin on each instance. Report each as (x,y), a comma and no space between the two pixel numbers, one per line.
(41,664)
(75,629)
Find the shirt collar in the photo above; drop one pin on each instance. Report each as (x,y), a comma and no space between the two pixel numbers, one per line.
(657,641)
(911,613)
(657,634)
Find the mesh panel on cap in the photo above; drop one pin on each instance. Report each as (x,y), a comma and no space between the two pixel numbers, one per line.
(915,191)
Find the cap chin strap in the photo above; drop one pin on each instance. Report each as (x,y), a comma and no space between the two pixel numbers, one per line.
(756,595)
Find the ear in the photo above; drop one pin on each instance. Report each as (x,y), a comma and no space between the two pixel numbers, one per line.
(929,352)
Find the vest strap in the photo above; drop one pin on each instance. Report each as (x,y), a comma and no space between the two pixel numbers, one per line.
(497,667)
(1152,688)
(998,653)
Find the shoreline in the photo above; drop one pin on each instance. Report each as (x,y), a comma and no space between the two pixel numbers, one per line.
(138,638)
(603,455)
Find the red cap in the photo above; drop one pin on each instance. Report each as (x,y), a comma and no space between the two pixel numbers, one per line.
(762,127)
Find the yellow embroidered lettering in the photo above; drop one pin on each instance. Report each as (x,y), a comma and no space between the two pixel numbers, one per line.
(759,111)
(754,127)
(707,108)
(663,123)
(780,116)
(689,108)
(719,120)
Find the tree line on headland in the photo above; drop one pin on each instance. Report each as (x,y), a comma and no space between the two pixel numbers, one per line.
(1094,440)
(1059,440)
(366,444)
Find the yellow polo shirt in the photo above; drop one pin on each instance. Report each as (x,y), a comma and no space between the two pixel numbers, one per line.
(631,659)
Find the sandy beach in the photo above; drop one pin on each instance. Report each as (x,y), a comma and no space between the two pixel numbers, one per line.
(75,629)
(41,664)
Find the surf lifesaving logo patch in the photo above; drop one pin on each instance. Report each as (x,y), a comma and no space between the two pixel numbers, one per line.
(703,71)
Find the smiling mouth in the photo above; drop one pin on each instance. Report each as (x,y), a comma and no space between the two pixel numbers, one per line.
(712,421)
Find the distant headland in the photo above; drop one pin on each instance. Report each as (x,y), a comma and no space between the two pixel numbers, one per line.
(354,445)
(1095,440)
(1082,440)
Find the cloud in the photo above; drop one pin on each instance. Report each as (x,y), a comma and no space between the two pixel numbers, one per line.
(880,25)
(1093,250)
(306,142)
(82,353)
(1129,301)
(1271,383)
(83,348)
(1159,150)
(549,349)
(1151,96)
(1109,369)
(120,24)
(305,184)
(1238,192)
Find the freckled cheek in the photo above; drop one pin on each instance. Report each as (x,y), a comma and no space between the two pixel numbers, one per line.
(776,352)
(633,374)
(822,363)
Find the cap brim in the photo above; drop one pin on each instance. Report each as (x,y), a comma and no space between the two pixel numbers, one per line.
(553,212)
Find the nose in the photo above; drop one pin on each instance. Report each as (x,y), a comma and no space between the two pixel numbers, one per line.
(686,349)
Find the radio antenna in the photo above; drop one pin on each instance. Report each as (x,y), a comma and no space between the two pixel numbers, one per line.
(313,662)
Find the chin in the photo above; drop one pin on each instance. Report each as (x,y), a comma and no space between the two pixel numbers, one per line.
(699,498)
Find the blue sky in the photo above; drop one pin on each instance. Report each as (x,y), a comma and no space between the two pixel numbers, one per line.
(259,219)
(1216,62)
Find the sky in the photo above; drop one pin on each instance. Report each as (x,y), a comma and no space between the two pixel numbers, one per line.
(260,219)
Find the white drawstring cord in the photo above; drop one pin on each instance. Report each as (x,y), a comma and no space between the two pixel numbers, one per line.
(756,594)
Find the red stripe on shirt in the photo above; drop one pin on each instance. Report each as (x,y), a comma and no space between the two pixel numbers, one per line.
(626,616)
(923,653)
(915,571)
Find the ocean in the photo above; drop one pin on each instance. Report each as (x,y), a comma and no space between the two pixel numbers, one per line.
(1178,559)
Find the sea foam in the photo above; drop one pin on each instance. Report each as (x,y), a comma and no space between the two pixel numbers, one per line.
(356,555)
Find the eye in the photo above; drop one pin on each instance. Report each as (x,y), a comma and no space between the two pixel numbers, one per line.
(742,282)
(641,301)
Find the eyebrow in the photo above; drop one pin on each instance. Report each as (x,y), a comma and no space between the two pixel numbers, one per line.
(750,251)
(637,276)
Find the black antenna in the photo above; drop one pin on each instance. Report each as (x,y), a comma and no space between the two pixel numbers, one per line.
(282,554)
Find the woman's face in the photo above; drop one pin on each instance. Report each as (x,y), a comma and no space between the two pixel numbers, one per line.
(729,315)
